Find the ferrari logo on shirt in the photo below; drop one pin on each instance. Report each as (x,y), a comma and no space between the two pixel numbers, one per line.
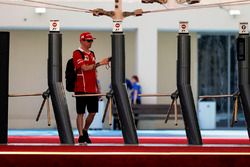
(86,58)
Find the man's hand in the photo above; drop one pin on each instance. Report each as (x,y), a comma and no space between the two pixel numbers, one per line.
(104,61)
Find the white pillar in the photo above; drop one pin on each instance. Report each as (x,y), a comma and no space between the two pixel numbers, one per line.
(147,61)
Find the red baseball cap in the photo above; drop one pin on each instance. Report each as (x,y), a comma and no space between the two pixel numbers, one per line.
(86,36)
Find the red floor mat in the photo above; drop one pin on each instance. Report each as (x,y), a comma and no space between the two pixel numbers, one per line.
(119,140)
(166,151)
(121,155)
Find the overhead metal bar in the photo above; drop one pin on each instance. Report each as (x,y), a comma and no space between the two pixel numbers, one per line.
(200,6)
(60,5)
(38,6)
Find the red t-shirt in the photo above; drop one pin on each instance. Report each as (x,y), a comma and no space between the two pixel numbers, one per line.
(86,80)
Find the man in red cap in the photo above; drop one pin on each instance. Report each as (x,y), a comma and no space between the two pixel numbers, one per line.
(86,83)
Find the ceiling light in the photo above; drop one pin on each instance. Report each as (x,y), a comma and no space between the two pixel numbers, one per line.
(40,10)
(234,12)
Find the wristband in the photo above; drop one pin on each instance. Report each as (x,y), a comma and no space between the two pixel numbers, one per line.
(97,65)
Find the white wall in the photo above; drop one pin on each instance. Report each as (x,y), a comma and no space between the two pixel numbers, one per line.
(167,56)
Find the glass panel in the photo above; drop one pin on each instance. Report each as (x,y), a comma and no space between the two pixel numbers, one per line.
(217,72)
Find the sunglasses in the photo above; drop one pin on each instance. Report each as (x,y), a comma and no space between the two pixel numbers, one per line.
(90,40)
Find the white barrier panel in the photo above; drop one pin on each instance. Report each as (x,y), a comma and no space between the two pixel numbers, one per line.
(97,123)
(207,114)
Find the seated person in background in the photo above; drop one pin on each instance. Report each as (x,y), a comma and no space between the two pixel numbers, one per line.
(136,90)
(128,84)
